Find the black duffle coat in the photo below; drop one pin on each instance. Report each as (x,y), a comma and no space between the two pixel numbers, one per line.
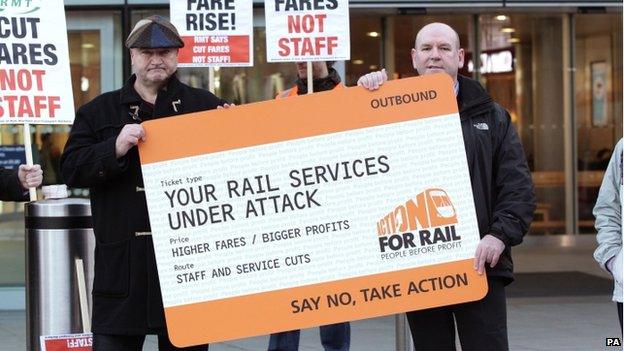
(126,292)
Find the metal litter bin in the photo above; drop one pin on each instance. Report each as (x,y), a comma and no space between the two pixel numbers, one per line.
(59,268)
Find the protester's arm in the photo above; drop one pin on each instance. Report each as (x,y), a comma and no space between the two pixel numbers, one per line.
(87,161)
(10,186)
(15,183)
(608,211)
(514,201)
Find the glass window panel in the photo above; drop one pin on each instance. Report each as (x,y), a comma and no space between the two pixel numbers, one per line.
(366,46)
(532,92)
(598,79)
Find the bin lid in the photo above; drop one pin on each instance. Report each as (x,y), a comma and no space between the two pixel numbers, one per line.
(68,207)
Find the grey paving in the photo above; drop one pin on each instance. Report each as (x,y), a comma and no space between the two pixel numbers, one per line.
(546,323)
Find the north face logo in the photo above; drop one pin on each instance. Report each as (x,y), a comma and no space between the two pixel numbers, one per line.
(482,126)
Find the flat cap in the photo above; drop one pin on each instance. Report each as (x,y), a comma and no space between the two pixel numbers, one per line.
(154,32)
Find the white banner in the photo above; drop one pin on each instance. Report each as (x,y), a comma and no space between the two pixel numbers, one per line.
(35,80)
(317,227)
(307,30)
(215,33)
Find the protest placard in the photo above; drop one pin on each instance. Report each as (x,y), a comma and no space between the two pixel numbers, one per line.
(307,30)
(358,205)
(216,33)
(35,81)
(66,342)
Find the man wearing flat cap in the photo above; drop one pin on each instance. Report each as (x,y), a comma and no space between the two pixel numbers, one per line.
(101,155)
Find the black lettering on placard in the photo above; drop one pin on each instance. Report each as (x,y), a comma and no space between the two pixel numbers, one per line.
(344,170)
(191,277)
(305,304)
(191,195)
(19,27)
(221,272)
(382,292)
(281,203)
(305,5)
(198,217)
(410,98)
(211,21)
(209,5)
(18,54)
(250,186)
(426,285)
(340,299)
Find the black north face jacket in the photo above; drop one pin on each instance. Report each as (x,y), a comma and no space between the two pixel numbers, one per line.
(126,291)
(501,180)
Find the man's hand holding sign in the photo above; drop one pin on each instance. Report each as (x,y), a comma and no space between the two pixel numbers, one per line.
(311,220)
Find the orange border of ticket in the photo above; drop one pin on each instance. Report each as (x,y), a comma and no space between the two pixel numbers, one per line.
(268,312)
(293,118)
(290,119)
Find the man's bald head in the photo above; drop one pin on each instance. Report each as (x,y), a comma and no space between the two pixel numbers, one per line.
(437,49)
(438,28)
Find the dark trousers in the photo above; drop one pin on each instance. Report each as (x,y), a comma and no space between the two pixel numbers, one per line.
(481,325)
(334,337)
(103,342)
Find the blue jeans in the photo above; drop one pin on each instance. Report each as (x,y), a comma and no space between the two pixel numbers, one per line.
(334,337)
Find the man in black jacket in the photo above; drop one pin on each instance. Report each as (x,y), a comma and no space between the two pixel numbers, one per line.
(14,184)
(101,154)
(503,195)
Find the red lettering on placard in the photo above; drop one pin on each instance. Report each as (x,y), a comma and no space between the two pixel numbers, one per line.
(307,46)
(68,343)
(23,79)
(306,23)
(29,106)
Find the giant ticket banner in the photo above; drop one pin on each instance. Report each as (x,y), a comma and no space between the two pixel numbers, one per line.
(311,210)
(35,80)
(216,33)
